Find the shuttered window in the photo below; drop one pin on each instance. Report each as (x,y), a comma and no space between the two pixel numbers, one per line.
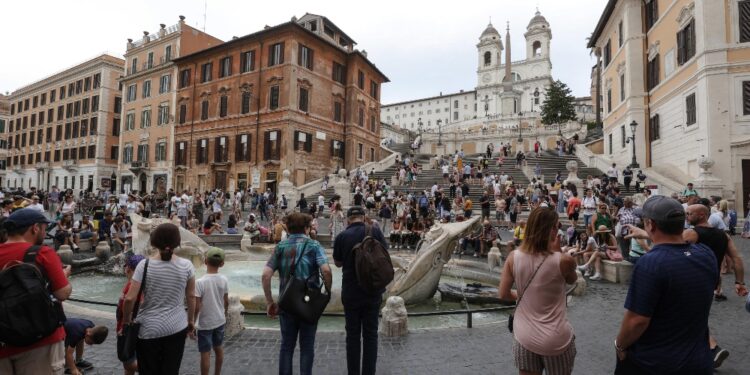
(686,43)
(242,147)
(305,57)
(271,145)
(303,99)
(652,13)
(223,104)
(246,102)
(653,126)
(302,141)
(744,9)
(220,149)
(337,149)
(690,110)
(276,54)
(746,98)
(653,73)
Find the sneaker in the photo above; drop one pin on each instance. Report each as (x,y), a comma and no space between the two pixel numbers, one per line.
(597,276)
(719,355)
(84,364)
(587,273)
(720,297)
(582,268)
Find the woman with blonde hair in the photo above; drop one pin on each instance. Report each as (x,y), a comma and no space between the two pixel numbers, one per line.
(543,339)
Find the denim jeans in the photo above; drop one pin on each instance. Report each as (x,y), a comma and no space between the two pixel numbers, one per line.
(292,327)
(361,316)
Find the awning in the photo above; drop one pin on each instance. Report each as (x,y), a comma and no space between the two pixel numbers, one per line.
(267,181)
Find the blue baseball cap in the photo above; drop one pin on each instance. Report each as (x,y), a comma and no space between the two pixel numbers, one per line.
(25,217)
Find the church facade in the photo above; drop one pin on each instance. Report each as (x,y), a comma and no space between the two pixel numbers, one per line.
(505,92)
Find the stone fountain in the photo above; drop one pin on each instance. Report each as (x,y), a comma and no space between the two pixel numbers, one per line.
(191,247)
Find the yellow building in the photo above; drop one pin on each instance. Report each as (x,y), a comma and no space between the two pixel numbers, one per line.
(680,70)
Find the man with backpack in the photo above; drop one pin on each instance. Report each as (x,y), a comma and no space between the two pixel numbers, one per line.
(361,250)
(31,343)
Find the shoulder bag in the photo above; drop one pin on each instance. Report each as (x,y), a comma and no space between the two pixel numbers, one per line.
(518,302)
(298,299)
(126,346)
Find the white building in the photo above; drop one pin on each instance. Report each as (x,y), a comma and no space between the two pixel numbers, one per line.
(503,89)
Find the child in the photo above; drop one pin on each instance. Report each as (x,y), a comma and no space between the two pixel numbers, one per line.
(78,332)
(130,366)
(211,302)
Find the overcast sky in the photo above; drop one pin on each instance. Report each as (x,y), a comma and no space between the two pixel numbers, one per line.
(424,47)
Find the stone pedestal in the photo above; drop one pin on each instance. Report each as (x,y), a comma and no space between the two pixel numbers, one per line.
(235,321)
(287,188)
(342,189)
(572,167)
(493,259)
(102,250)
(246,243)
(394,321)
(707,185)
(85,245)
(66,254)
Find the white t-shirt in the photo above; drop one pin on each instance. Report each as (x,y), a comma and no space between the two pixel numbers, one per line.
(211,289)
(445,169)
(37,206)
(321,200)
(123,199)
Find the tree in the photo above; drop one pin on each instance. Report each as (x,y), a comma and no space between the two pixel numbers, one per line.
(558,105)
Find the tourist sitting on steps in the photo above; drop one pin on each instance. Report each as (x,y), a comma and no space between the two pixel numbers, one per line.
(606,249)
(252,227)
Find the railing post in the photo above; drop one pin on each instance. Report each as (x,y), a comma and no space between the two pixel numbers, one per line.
(468,319)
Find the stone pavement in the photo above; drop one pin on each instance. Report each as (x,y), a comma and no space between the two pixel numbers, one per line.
(481,350)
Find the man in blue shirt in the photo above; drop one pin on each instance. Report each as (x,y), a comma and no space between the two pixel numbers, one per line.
(360,307)
(665,327)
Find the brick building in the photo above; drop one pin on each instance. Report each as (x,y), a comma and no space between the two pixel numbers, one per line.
(146,157)
(296,96)
(60,128)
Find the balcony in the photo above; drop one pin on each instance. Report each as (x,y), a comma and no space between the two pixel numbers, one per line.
(42,166)
(71,164)
(137,166)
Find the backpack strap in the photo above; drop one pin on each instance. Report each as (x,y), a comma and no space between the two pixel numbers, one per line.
(140,291)
(368,230)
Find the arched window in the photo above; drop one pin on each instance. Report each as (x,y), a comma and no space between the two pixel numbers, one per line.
(537,48)
(487,58)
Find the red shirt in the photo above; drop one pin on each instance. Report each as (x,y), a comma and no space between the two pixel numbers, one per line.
(573,203)
(53,267)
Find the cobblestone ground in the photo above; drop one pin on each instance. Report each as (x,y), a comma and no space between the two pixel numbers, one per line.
(482,350)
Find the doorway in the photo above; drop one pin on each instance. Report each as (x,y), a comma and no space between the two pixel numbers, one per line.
(220,180)
(142,184)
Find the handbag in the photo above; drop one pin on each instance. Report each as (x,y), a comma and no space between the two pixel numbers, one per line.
(298,299)
(518,302)
(126,346)
(614,255)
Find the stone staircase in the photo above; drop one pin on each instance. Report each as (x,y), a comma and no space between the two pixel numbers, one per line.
(551,163)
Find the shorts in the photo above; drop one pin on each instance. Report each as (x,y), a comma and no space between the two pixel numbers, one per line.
(85,235)
(513,217)
(210,338)
(121,344)
(560,364)
(445,175)
(207,231)
(466,176)
(573,216)
(500,215)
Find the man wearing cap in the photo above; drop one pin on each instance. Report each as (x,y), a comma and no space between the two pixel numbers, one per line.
(360,307)
(665,327)
(46,356)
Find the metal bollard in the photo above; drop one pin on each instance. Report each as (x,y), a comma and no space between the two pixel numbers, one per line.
(468,319)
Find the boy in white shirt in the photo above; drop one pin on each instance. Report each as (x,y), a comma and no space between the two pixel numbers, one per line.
(212,301)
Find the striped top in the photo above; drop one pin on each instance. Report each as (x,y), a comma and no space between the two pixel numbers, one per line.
(162,311)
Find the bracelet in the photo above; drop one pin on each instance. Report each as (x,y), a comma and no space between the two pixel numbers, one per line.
(618,348)
(739,283)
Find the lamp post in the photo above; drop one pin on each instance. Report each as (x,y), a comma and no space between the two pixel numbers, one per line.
(440,132)
(559,124)
(520,131)
(631,139)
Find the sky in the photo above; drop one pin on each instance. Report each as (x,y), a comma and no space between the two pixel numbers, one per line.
(424,47)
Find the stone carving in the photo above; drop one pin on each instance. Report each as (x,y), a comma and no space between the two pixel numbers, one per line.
(287,188)
(705,164)
(102,251)
(142,228)
(234,324)
(419,280)
(342,189)
(494,259)
(395,320)
(65,254)
(572,167)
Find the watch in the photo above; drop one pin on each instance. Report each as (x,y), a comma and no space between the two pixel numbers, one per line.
(739,283)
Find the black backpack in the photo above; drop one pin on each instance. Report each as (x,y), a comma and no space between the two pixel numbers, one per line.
(373,264)
(28,311)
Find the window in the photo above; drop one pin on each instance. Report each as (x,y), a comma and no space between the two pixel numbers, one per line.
(607,53)
(132,89)
(146,89)
(619,34)
(247,61)
(206,72)
(653,128)
(95,103)
(337,149)
(690,110)
(652,13)
(50,115)
(127,153)
(58,133)
(361,117)
(225,67)
(43,99)
(118,105)
(609,100)
(623,136)
(180,156)
(622,87)
(374,89)
(455,104)
(51,96)
(167,53)
(372,154)
(246,102)
(302,141)
(272,145)
(744,10)
(161,150)
(23,140)
(183,113)
(201,153)
(610,144)
(97,81)
(686,43)
(242,147)
(303,99)
(84,128)
(146,118)
(142,152)
(94,125)
(652,73)
(338,112)
(276,54)
(274,98)
(204,110)
(49,135)
(60,112)
(223,104)
(305,57)
(361,79)
(114,152)
(32,138)
(39,136)
(116,127)
(91,152)
(184,78)
(165,83)
(150,61)
(85,109)
(360,151)
(35,102)
(163,116)
(374,122)
(487,58)
(455,116)
(67,130)
(77,108)
(79,86)
(62,96)
(86,84)
(339,73)
(746,98)
(130,120)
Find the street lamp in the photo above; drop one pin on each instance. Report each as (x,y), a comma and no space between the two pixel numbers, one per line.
(520,132)
(631,139)
(559,124)
(440,132)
